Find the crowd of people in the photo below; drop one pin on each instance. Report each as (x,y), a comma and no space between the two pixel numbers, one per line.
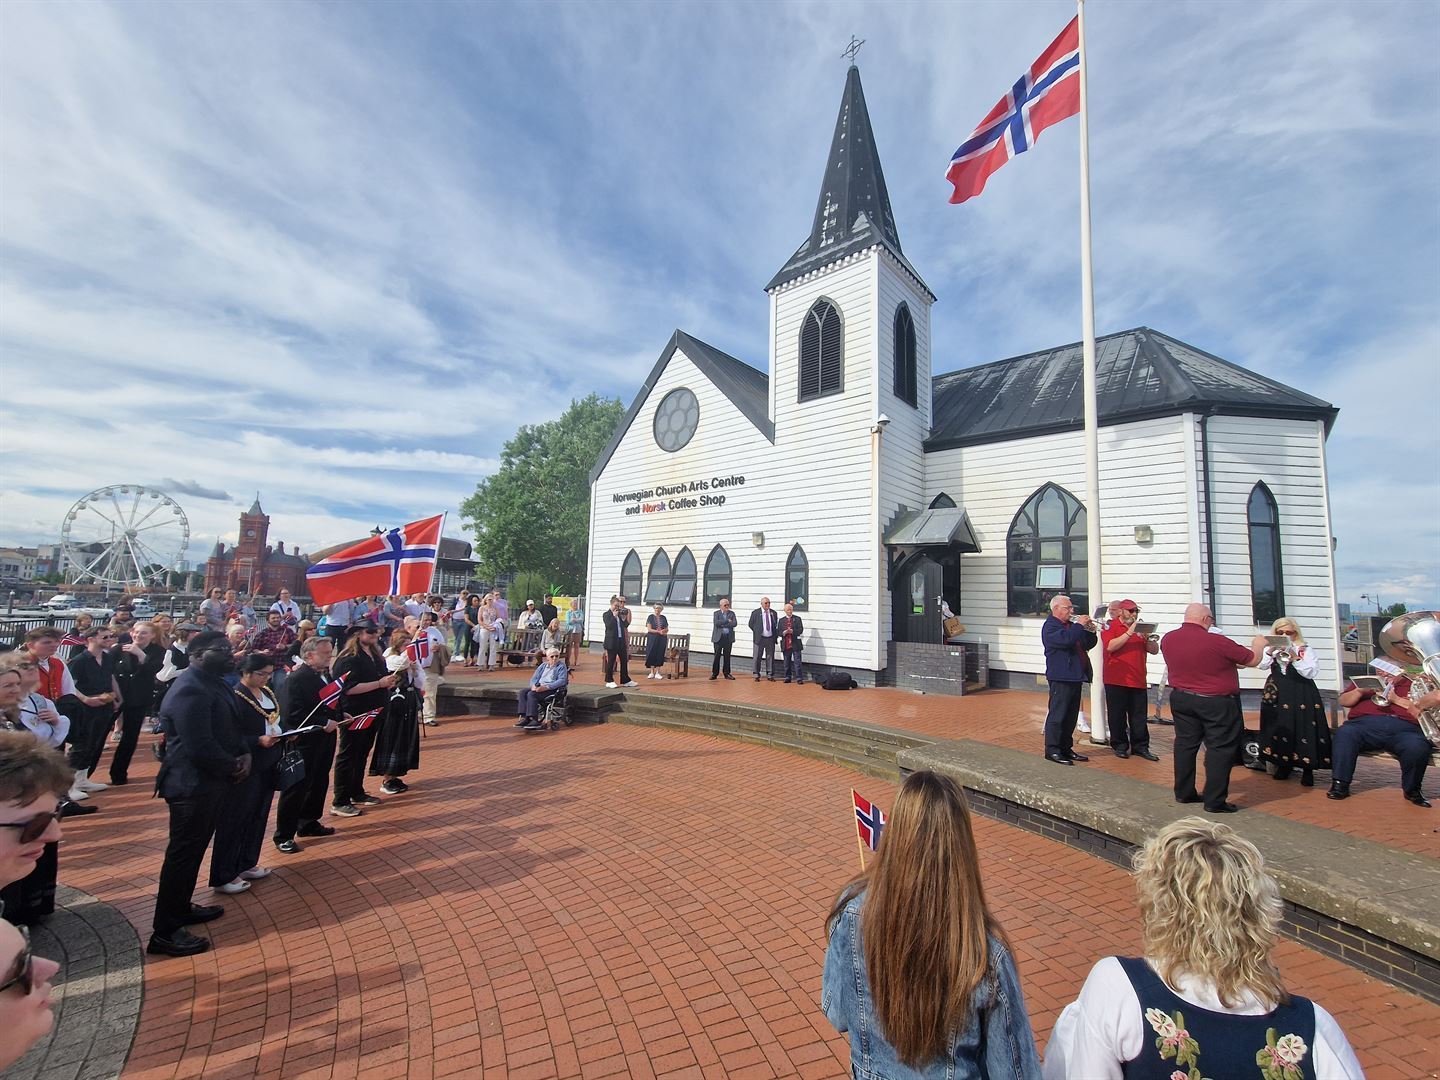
(1202,669)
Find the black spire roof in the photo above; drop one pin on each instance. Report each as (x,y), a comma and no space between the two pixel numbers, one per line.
(853,212)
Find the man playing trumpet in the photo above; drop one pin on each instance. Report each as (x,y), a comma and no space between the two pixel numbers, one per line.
(1126,684)
(1067,637)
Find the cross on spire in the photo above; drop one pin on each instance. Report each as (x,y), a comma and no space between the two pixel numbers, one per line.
(852,48)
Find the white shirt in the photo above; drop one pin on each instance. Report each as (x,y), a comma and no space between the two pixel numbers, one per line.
(1105,1027)
(436,639)
(1307,665)
(289,611)
(46,733)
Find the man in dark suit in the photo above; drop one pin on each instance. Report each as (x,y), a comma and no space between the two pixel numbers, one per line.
(204,755)
(617,649)
(792,644)
(723,638)
(1067,638)
(762,626)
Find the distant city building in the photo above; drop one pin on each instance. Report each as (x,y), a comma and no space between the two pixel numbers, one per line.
(1343,612)
(454,567)
(19,564)
(253,566)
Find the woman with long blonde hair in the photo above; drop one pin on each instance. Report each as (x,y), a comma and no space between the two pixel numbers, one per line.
(1206,999)
(1294,731)
(917,970)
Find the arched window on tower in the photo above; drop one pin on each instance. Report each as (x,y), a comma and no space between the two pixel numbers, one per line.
(682,579)
(630,577)
(797,579)
(1267,582)
(942,502)
(822,350)
(717,576)
(1045,552)
(905,377)
(657,586)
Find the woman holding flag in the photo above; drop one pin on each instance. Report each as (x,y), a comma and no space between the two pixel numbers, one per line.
(362,665)
(312,701)
(397,746)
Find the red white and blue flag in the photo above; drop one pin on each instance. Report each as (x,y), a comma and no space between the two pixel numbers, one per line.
(70,641)
(869,819)
(418,650)
(399,562)
(331,691)
(364,720)
(1048,93)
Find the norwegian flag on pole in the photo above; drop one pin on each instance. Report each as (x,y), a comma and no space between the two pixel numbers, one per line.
(869,819)
(418,650)
(364,720)
(399,562)
(331,691)
(1046,94)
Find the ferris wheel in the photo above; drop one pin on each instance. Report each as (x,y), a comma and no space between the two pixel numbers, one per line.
(127,536)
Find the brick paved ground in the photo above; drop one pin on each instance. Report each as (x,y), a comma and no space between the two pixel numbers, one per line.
(1015,718)
(598,901)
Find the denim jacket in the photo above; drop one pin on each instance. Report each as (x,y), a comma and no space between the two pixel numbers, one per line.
(995,1043)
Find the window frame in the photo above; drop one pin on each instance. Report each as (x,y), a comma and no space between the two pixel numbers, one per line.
(711,596)
(638,579)
(821,389)
(906,373)
(803,604)
(1073,554)
(679,579)
(662,578)
(947,504)
(1270,537)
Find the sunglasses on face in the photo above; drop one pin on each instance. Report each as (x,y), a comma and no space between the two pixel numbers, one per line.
(32,830)
(24,969)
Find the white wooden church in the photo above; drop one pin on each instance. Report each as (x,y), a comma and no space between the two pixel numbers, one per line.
(868,490)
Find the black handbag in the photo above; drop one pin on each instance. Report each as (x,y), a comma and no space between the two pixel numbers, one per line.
(289,770)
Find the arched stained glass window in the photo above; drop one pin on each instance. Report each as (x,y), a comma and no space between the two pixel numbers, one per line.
(657,585)
(1267,581)
(942,502)
(797,579)
(682,579)
(630,577)
(1045,553)
(717,576)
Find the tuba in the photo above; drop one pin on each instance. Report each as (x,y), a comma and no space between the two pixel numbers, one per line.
(1414,639)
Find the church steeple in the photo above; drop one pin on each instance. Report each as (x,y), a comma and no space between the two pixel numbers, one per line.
(853,212)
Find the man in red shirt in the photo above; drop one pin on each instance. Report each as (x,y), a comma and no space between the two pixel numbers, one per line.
(1204,672)
(1393,727)
(1126,702)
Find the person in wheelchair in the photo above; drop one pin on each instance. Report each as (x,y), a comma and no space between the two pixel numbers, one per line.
(550,678)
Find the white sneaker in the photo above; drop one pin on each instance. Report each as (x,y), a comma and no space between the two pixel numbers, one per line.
(609,686)
(76,795)
(91,785)
(632,682)
(256,873)
(236,886)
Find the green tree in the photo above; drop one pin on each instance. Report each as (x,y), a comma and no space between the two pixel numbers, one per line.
(527,586)
(534,512)
(1394,610)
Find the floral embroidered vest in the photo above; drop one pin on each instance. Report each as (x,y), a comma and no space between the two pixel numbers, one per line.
(1186,1042)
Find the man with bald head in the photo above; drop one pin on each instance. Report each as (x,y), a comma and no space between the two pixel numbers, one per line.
(1203,668)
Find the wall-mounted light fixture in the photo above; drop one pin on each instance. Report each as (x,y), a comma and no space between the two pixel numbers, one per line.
(1144,534)
(758,539)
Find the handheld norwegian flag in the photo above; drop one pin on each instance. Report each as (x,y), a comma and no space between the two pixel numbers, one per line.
(418,650)
(364,720)
(331,691)
(869,819)
(398,562)
(72,641)
(1048,93)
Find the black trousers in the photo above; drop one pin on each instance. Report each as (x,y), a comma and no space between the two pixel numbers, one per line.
(350,762)
(1126,710)
(1219,724)
(1391,734)
(722,650)
(765,650)
(240,829)
(532,701)
(305,802)
(1060,719)
(88,729)
(131,723)
(192,824)
(614,656)
(794,662)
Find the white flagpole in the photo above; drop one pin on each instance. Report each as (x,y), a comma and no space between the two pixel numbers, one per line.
(1098,728)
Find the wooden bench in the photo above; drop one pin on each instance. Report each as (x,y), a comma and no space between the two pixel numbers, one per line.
(677,652)
(520,644)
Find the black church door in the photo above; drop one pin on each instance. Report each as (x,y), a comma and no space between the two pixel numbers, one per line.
(915,602)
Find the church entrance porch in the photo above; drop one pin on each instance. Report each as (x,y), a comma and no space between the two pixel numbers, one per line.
(924,653)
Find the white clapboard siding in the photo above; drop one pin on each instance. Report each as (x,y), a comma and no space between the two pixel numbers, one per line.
(1288,456)
(1143,482)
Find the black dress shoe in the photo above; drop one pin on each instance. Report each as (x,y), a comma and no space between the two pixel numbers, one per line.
(771,678)
(179,943)
(1339,789)
(1417,798)
(314,828)
(1078,757)
(521,721)
(729,676)
(75,809)
(1059,759)
(1147,755)
(1307,778)
(289,847)
(200,913)
(784,680)
(1122,753)
(714,677)
(119,781)
(1223,808)
(1190,799)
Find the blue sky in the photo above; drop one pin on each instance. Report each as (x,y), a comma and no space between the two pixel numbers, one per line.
(337,253)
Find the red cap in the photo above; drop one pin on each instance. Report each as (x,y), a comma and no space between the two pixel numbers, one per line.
(1129,605)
